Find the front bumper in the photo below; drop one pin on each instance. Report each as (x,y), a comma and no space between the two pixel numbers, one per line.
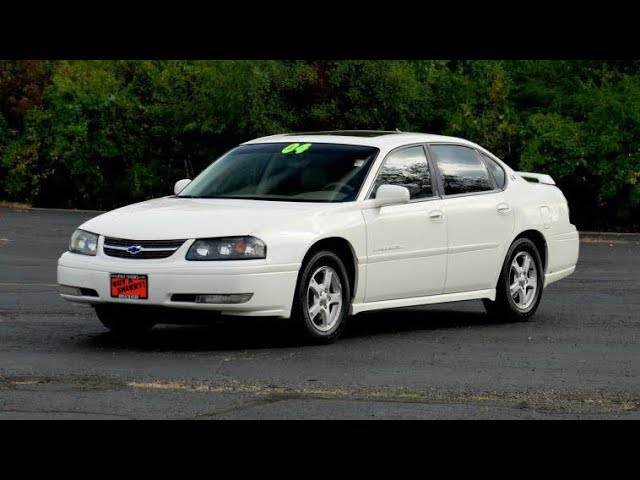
(272,286)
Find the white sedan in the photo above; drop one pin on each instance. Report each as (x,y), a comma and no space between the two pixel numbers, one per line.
(320,226)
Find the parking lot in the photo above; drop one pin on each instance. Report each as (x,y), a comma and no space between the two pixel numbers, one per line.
(578,358)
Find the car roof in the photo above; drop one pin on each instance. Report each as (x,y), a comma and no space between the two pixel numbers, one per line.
(374,138)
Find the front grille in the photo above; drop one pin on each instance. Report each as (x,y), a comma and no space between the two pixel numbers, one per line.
(140,249)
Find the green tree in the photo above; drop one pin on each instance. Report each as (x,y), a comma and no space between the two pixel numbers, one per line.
(100,134)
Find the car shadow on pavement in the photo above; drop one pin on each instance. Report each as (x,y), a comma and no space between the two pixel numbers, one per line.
(238,333)
(409,320)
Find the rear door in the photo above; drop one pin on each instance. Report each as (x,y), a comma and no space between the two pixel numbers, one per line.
(479,219)
(406,244)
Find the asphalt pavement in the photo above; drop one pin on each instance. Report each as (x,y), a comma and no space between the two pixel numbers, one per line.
(578,358)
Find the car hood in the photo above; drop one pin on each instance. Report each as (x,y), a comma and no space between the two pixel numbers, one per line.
(177,218)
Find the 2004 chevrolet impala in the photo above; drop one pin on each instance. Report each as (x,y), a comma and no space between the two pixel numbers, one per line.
(320,226)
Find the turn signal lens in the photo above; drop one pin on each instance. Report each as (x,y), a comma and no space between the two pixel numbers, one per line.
(224,298)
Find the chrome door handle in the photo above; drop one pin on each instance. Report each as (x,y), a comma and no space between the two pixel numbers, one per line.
(436,215)
(503,208)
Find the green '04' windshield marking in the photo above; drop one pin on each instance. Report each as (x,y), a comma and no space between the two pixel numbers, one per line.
(296,148)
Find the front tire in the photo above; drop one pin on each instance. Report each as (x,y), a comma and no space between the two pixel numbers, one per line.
(322,299)
(520,284)
(122,321)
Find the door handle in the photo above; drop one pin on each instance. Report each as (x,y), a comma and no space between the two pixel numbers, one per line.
(436,215)
(503,208)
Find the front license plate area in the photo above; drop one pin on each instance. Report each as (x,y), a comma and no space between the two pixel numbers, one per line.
(132,286)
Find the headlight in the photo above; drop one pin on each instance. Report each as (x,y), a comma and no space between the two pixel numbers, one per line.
(235,248)
(83,242)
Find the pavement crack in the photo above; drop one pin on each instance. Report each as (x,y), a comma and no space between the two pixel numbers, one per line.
(258,402)
(63,412)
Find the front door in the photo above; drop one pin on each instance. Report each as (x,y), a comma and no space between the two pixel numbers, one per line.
(406,244)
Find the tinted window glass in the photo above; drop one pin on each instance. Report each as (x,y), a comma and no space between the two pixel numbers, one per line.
(294,172)
(495,169)
(408,168)
(461,169)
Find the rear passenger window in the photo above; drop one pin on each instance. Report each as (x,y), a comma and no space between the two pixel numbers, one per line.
(461,169)
(408,168)
(495,169)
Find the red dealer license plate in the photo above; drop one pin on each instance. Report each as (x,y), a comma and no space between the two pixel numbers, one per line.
(124,285)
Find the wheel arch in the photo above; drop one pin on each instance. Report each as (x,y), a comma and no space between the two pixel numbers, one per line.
(539,240)
(343,249)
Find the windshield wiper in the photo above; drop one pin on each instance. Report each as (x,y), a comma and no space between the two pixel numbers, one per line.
(225,197)
(264,199)
(197,196)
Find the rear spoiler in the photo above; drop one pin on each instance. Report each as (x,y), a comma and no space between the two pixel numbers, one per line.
(537,178)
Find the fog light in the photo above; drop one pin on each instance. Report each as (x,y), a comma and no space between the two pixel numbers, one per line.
(224,298)
(66,290)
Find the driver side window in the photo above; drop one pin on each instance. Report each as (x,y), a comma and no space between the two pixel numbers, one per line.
(407,168)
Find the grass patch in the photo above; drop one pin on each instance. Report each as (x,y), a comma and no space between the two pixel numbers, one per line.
(549,401)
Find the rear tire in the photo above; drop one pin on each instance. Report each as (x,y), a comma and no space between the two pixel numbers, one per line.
(123,321)
(520,284)
(322,300)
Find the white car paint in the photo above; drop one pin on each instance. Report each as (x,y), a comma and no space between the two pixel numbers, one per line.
(406,251)
(438,250)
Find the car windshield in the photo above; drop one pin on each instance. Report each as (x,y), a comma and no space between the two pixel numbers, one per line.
(298,172)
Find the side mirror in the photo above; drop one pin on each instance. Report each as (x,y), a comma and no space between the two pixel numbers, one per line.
(180,184)
(391,195)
